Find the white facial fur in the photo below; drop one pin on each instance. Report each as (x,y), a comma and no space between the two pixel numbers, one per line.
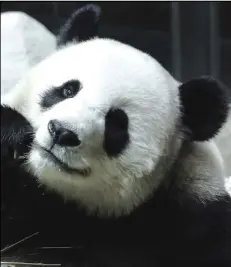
(112,75)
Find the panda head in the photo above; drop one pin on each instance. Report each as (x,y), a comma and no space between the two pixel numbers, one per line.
(109,121)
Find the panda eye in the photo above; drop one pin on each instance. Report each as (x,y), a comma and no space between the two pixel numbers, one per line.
(55,95)
(68,92)
(70,89)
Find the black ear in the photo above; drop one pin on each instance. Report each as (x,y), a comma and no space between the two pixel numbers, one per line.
(81,26)
(204,106)
(16,134)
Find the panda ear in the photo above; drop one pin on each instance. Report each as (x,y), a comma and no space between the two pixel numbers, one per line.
(204,106)
(81,26)
(16,134)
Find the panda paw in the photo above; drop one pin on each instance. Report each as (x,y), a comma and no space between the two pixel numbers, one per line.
(16,134)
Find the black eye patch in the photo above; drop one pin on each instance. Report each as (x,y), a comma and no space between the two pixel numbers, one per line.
(55,95)
(116,136)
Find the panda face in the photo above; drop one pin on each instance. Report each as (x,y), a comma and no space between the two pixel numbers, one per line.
(105,116)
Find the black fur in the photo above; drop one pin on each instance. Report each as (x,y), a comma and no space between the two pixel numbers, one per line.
(16,134)
(204,107)
(116,136)
(81,26)
(55,95)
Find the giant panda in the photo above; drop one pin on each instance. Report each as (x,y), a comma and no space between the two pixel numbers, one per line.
(105,154)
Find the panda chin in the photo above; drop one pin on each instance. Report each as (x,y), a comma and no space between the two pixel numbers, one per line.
(59,164)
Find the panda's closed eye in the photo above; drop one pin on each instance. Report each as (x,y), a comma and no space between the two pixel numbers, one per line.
(57,94)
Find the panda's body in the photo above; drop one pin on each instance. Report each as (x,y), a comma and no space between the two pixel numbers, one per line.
(139,181)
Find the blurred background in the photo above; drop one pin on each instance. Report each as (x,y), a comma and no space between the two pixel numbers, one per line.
(187,38)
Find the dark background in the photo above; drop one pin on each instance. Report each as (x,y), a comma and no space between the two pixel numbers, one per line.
(188,38)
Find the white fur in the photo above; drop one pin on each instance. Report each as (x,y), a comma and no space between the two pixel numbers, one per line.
(223,141)
(24,43)
(112,75)
(228,184)
(201,171)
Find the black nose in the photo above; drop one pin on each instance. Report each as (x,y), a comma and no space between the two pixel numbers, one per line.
(61,135)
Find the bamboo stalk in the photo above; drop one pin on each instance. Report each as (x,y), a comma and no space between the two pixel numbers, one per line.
(30,263)
(56,248)
(18,242)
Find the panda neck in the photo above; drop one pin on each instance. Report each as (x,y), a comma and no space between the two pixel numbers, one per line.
(198,172)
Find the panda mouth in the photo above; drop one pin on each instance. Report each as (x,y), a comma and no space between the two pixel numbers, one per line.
(62,165)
